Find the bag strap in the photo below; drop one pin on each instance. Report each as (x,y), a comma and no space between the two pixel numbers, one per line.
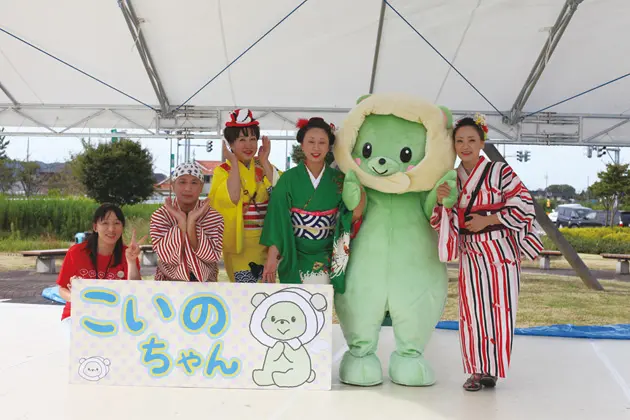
(474,194)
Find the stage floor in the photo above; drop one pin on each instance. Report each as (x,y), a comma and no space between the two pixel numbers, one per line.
(551,378)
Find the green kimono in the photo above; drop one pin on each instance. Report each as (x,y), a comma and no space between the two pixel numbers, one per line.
(310,227)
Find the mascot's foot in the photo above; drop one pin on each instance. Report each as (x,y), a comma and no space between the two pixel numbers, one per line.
(410,371)
(360,371)
(262,378)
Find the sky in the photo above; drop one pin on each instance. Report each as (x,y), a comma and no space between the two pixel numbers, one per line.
(548,165)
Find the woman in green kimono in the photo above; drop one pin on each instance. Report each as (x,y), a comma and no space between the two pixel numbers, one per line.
(307,227)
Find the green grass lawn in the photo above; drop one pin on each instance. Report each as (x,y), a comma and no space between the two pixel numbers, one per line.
(548,299)
(544,299)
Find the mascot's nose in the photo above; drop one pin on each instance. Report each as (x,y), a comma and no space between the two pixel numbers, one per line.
(381,161)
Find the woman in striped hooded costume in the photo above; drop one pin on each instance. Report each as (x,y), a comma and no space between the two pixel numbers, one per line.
(489,229)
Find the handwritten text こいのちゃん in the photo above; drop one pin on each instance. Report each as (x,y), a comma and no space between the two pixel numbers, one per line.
(199,313)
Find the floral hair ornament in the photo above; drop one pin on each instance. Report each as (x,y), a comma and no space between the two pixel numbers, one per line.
(303,122)
(480,120)
(241,118)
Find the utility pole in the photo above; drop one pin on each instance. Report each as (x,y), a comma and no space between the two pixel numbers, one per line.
(546,180)
(286,155)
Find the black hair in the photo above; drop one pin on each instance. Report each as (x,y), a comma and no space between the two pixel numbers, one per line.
(469,122)
(316,122)
(92,239)
(232,133)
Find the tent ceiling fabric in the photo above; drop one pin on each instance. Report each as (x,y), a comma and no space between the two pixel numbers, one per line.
(317,61)
(491,35)
(92,36)
(594,49)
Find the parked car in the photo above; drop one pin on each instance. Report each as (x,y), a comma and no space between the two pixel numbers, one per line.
(624,218)
(553,216)
(575,215)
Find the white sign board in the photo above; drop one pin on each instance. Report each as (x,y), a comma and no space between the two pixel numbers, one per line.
(217,335)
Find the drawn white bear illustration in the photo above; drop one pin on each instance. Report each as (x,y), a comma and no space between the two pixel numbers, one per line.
(285,322)
(94,368)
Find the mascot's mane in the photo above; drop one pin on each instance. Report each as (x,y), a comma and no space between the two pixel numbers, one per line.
(439,153)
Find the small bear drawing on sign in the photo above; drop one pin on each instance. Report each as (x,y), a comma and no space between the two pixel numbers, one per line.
(285,322)
(94,368)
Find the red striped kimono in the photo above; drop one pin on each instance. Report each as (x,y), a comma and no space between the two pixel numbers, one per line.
(490,262)
(177,260)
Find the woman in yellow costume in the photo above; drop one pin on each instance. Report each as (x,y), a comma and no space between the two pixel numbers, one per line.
(240,191)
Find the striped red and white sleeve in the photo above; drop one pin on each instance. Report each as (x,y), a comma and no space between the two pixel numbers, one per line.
(519,213)
(166,237)
(436,217)
(444,221)
(210,237)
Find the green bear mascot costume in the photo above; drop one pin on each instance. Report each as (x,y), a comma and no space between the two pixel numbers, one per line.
(399,150)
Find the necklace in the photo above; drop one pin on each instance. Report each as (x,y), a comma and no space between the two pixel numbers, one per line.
(106,269)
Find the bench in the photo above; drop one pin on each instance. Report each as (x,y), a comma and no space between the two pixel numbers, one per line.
(545,258)
(46,259)
(149,257)
(622,262)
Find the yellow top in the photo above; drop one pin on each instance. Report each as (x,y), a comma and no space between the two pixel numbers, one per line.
(251,208)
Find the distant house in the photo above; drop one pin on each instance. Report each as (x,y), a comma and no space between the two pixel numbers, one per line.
(44,174)
(539,193)
(207,166)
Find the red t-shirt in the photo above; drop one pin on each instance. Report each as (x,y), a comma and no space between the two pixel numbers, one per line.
(78,264)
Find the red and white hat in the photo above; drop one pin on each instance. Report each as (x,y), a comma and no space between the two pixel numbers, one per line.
(241,118)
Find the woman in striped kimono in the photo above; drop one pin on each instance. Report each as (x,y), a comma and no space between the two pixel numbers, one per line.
(186,233)
(490,228)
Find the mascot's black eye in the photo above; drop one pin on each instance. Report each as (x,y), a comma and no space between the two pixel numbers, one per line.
(273,319)
(367,150)
(405,155)
(292,319)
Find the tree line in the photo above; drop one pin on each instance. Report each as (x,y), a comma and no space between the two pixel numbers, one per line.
(119,172)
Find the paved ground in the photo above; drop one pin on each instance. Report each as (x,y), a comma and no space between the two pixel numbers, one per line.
(27,286)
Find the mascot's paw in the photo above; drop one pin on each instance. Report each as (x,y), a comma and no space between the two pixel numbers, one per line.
(361,371)
(351,194)
(410,371)
(451,179)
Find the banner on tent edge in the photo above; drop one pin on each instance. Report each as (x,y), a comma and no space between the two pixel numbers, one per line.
(214,335)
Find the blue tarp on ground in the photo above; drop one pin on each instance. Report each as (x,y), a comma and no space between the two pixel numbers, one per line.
(607,332)
(52,293)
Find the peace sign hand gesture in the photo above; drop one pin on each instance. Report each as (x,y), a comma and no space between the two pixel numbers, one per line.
(133,249)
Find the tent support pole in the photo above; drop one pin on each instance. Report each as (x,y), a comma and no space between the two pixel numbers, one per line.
(554,234)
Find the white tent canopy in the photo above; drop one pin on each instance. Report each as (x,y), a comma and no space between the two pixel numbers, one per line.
(296,58)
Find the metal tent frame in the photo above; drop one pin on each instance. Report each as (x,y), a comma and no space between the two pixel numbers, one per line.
(204,122)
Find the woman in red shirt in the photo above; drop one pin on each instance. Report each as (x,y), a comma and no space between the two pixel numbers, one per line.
(103,252)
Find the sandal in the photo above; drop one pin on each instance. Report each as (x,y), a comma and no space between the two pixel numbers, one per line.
(489,381)
(473,383)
